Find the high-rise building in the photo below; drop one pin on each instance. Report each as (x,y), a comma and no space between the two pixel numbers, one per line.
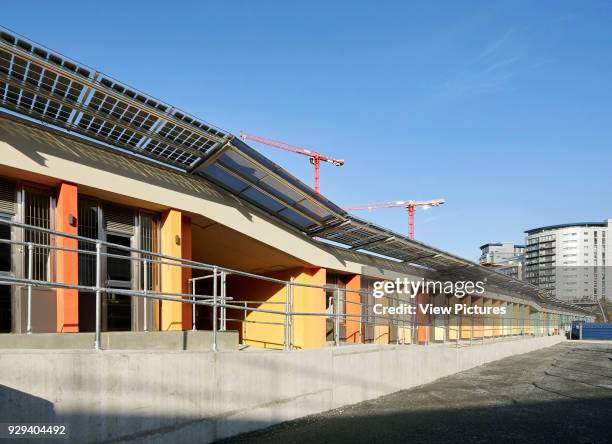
(570,260)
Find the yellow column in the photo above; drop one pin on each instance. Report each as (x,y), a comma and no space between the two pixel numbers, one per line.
(466,320)
(171,275)
(515,322)
(488,319)
(454,320)
(309,331)
(497,320)
(527,320)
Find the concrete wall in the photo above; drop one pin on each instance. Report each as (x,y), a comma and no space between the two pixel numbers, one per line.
(196,396)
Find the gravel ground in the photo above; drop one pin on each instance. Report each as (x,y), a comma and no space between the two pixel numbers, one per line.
(559,394)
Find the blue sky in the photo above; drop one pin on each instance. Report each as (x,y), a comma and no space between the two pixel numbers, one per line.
(502,108)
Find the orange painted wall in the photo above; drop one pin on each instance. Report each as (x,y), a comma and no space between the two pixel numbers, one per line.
(186,271)
(353,308)
(67,262)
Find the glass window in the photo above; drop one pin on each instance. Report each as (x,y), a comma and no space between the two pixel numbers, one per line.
(37,213)
(5,249)
(118,269)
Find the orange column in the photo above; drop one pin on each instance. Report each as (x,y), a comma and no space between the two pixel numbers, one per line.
(67,262)
(186,272)
(353,308)
(422,319)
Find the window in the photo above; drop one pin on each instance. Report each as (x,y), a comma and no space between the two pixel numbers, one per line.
(36,212)
(117,268)
(149,241)
(5,249)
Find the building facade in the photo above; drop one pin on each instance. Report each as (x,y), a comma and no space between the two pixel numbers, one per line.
(569,260)
(117,210)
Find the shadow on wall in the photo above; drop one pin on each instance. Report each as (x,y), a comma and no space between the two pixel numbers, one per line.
(571,420)
(13,404)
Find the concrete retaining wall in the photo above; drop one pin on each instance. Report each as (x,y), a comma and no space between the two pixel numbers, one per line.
(194,396)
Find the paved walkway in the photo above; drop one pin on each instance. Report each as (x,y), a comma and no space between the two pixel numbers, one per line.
(555,395)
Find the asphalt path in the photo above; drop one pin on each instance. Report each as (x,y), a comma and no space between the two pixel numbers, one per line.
(554,395)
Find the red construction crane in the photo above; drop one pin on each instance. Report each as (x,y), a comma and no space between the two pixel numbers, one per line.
(410,205)
(315,157)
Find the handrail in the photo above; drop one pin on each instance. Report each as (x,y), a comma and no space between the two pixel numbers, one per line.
(219,299)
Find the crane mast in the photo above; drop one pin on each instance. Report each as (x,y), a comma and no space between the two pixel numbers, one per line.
(314,156)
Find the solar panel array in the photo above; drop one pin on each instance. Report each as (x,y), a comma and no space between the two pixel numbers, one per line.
(46,86)
(358,234)
(256,183)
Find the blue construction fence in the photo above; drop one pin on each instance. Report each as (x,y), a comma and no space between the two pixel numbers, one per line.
(591,330)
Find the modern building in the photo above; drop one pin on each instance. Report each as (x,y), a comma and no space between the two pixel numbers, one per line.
(505,257)
(569,260)
(119,212)
(500,252)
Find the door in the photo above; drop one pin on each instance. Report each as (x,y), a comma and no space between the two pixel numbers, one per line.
(6,269)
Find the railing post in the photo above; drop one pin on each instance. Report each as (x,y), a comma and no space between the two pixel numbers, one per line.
(145,278)
(287,340)
(30,276)
(291,294)
(97,341)
(337,317)
(214,319)
(223,297)
(193,306)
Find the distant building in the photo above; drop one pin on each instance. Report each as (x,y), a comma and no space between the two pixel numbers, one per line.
(570,260)
(494,254)
(505,257)
(513,267)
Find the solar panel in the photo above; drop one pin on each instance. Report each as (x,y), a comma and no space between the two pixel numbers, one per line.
(46,86)
(256,183)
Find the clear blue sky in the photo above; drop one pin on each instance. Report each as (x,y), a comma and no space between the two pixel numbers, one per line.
(501,108)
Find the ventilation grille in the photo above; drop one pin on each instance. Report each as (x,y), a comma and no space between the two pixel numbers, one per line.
(7,197)
(119,219)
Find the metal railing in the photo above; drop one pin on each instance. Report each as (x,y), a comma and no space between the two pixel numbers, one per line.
(357,315)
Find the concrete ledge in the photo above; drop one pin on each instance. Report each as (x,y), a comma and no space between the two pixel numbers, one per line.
(122,340)
(194,396)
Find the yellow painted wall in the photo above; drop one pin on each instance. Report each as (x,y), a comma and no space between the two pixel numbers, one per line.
(478,319)
(488,319)
(466,320)
(171,276)
(308,331)
(516,314)
(404,335)
(527,320)
(507,319)
(496,324)
(454,321)
(439,300)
